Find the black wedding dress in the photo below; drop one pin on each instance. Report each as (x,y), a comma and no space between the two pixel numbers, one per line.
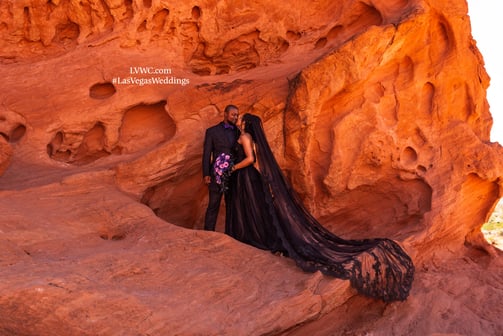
(250,210)
(266,213)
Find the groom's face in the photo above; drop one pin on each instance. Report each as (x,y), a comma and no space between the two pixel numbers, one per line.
(232,116)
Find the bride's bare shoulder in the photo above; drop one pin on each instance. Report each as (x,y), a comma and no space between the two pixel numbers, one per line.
(246,136)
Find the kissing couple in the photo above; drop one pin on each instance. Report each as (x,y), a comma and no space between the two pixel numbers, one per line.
(264,211)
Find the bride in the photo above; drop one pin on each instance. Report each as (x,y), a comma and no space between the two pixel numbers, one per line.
(266,213)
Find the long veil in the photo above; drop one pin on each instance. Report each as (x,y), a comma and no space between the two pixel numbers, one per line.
(378,268)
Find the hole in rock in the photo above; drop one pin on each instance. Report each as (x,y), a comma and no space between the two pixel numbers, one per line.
(335,32)
(241,53)
(282,46)
(68,32)
(222,70)
(293,36)
(206,71)
(390,208)
(196,12)
(108,236)
(493,229)
(320,43)
(53,148)
(179,202)
(142,27)
(360,17)
(79,148)
(409,156)
(102,90)
(92,146)
(17,133)
(26,12)
(427,98)
(159,20)
(145,126)
(477,199)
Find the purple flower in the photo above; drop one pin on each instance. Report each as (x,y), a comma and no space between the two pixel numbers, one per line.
(222,168)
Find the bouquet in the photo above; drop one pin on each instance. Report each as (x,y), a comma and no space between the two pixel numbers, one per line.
(223,166)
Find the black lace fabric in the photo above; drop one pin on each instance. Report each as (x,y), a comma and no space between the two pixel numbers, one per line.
(265,212)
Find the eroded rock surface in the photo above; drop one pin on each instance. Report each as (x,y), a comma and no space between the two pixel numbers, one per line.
(95,262)
(376,111)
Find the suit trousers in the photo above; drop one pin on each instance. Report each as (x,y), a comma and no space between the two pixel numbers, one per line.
(214,201)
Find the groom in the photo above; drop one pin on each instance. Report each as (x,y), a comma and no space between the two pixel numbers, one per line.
(220,138)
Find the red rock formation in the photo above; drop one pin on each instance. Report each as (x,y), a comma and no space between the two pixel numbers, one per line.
(375,110)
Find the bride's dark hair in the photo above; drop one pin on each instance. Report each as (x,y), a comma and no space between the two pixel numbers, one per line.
(252,123)
(375,267)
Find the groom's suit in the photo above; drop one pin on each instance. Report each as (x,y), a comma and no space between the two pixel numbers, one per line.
(220,138)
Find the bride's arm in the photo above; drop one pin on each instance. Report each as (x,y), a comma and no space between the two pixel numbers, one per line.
(246,142)
(257,162)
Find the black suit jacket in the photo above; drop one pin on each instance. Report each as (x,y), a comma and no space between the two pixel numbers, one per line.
(216,141)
